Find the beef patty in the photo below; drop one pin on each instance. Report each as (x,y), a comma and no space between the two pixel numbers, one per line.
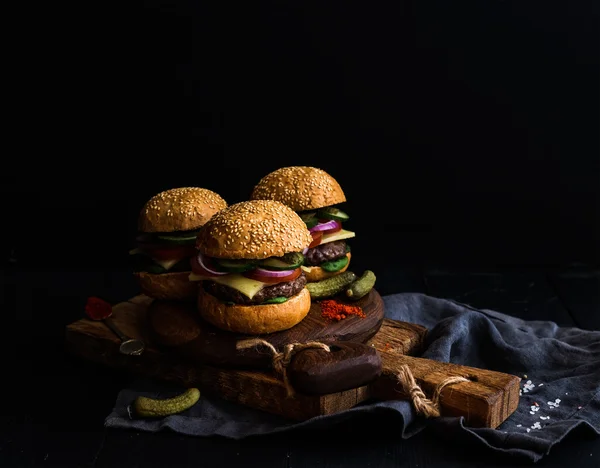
(227,294)
(324,253)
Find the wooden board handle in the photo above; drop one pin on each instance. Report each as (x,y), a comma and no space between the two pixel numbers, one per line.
(486,399)
(347,365)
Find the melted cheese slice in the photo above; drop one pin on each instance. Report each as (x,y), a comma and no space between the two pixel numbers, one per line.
(335,236)
(166,264)
(248,287)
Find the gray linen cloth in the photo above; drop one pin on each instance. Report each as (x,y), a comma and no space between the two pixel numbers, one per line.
(560,392)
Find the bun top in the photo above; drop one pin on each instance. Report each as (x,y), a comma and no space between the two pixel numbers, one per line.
(253,229)
(299,187)
(179,209)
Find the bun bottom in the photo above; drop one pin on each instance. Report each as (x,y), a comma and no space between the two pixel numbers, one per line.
(169,286)
(316,273)
(253,319)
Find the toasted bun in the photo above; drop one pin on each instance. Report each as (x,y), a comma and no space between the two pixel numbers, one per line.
(179,209)
(316,273)
(254,319)
(253,229)
(299,187)
(172,286)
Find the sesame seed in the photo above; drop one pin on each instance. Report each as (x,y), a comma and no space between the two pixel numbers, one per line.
(193,206)
(254,229)
(299,187)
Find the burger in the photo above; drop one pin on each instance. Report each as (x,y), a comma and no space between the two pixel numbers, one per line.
(167,228)
(316,197)
(248,268)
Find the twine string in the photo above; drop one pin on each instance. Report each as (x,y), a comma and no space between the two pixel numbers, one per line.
(430,408)
(281,360)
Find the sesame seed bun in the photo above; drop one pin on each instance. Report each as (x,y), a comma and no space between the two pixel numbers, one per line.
(253,229)
(316,273)
(179,209)
(170,286)
(254,319)
(299,187)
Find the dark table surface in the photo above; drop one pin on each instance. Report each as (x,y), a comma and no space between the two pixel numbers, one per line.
(55,404)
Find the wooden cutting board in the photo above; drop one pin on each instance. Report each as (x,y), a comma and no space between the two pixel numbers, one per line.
(486,400)
(349,363)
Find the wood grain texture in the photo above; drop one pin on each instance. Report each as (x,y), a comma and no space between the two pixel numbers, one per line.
(180,327)
(262,390)
(347,365)
(486,400)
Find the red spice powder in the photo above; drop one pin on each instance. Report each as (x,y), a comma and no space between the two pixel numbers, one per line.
(333,310)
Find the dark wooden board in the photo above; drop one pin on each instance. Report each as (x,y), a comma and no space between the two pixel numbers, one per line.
(179,327)
(486,399)
(258,389)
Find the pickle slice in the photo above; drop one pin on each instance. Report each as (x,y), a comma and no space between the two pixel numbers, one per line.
(311,223)
(330,212)
(307,215)
(335,265)
(178,238)
(234,266)
(289,261)
(275,300)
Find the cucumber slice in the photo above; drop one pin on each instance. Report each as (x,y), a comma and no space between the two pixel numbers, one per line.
(307,215)
(275,300)
(289,261)
(330,212)
(178,239)
(335,265)
(234,266)
(311,223)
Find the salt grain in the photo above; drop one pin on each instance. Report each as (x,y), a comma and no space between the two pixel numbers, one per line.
(528,386)
(528,430)
(541,385)
(519,425)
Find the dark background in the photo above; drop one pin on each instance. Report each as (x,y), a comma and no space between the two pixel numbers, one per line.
(464,134)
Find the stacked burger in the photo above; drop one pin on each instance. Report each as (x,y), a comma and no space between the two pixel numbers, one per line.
(315,196)
(167,227)
(248,266)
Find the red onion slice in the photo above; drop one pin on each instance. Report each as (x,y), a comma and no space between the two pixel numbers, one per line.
(272,273)
(202,262)
(325,226)
(305,250)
